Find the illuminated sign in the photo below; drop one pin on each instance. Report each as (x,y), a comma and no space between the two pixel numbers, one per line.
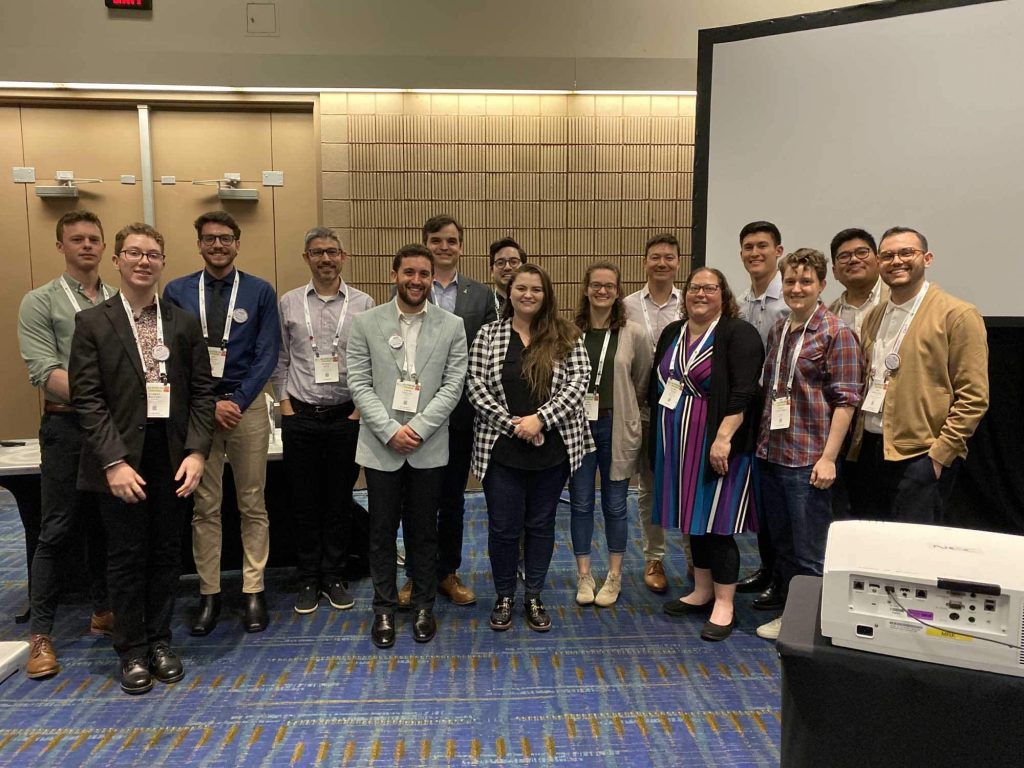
(130,5)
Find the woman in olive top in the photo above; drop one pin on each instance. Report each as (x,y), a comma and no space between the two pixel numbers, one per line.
(528,373)
(620,365)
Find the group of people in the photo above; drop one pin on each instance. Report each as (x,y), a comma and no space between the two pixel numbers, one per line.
(733,413)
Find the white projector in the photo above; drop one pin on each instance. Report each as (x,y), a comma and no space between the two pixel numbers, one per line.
(945,595)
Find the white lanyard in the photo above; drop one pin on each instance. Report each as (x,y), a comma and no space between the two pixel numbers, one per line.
(600,363)
(309,324)
(647,319)
(687,364)
(159,336)
(71,296)
(898,341)
(228,316)
(497,304)
(796,354)
(406,328)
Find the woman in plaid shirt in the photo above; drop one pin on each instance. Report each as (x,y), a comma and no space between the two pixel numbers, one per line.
(812,377)
(528,374)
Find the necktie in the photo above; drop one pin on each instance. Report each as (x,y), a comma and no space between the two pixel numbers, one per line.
(217,313)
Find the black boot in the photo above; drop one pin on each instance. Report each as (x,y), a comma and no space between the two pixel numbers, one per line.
(206,616)
(256,617)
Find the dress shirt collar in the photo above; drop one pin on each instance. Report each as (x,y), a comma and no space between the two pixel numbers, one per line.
(673,296)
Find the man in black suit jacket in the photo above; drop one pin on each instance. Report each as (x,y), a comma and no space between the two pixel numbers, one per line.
(141,383)
(474,303)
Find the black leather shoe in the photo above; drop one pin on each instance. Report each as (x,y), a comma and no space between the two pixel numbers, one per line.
(256,617)
(769,600)
(206,615)
(758,581)
(165,664)
(714,632)
(679,608)
(501,614)
(383,632)
(135,677)
(536,617)
(425,626)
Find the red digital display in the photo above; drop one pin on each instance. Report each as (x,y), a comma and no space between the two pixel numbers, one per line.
(130,5)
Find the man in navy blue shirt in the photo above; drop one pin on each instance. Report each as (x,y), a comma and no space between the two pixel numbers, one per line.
(238,315)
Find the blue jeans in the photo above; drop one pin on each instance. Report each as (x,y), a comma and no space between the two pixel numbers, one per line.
(582,492)
(521,501)
(797,516)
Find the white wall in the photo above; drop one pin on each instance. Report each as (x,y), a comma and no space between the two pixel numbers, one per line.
(552,44)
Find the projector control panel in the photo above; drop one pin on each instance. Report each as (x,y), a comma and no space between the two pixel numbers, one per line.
(945,609)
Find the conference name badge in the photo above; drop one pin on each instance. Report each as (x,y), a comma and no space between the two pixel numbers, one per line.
(158,400)
(780,413)
(670,397)
(407,396)
(325,369)
(591,405)
(218,357)
(873,399)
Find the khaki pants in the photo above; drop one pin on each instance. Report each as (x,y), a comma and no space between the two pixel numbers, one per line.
(652,535)
(245,447)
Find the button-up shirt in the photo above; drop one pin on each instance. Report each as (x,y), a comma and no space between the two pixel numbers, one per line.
(829,375)
(658,316)
(445,296)
(854,316)
(409,326)
(145,325)
(764,311)
(295,375)
(46,323)
(254,342)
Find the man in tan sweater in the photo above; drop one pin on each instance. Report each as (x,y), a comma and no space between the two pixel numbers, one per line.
(926,363)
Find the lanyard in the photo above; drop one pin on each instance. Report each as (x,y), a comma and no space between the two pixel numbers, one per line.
(138,341)
(898,341)
(680,350)
(309,324)
(230,312)
(406,328)
(71,296)
(647,318)
(497,304)
(600,363)
(796,354)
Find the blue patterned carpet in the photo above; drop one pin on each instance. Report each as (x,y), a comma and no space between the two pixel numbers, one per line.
(624,686)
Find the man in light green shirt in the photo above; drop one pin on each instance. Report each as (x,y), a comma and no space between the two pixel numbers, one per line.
(46,323)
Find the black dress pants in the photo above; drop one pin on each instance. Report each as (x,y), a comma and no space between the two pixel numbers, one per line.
(320,464)
(408,496)
(64,510)
(144,552)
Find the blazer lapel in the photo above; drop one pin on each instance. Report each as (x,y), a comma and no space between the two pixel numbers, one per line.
(119,320)
(427,340)
(387,323)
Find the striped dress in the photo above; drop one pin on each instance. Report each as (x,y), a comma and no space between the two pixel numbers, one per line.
(682,497)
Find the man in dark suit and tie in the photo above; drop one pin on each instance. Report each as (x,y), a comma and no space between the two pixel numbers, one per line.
(140,381)
(474,303)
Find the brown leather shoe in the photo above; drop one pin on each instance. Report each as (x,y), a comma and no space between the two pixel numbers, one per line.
(654,576)
(405,594)
(42,660)
(102,623)
(453,588)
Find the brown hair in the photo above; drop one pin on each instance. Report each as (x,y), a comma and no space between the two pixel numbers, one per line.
(618,316)
(805,257)
(552,337)
(729,306)
(74,217)
(138,228)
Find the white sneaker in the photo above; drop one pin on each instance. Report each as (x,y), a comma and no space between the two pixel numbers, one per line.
(609,590)
(585,589)
(770,631)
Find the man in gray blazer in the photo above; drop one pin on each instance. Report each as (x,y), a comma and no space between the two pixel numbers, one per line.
(406,368)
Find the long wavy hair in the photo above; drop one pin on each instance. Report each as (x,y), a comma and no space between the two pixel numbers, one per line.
(618,315)
(729,306)
(552,337)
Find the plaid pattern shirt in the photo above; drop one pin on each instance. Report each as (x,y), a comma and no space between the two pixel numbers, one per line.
(564,410)
(829,374)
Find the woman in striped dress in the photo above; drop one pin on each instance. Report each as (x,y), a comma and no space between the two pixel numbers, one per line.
(705,382)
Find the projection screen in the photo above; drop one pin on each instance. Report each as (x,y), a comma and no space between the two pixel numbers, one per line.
(907,113)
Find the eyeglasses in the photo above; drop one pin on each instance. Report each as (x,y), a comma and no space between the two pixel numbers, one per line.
(132,255)
(211,239)
(606,287)
(905,254)
(331,253)
(861,253)
(502,263)
(709,289)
